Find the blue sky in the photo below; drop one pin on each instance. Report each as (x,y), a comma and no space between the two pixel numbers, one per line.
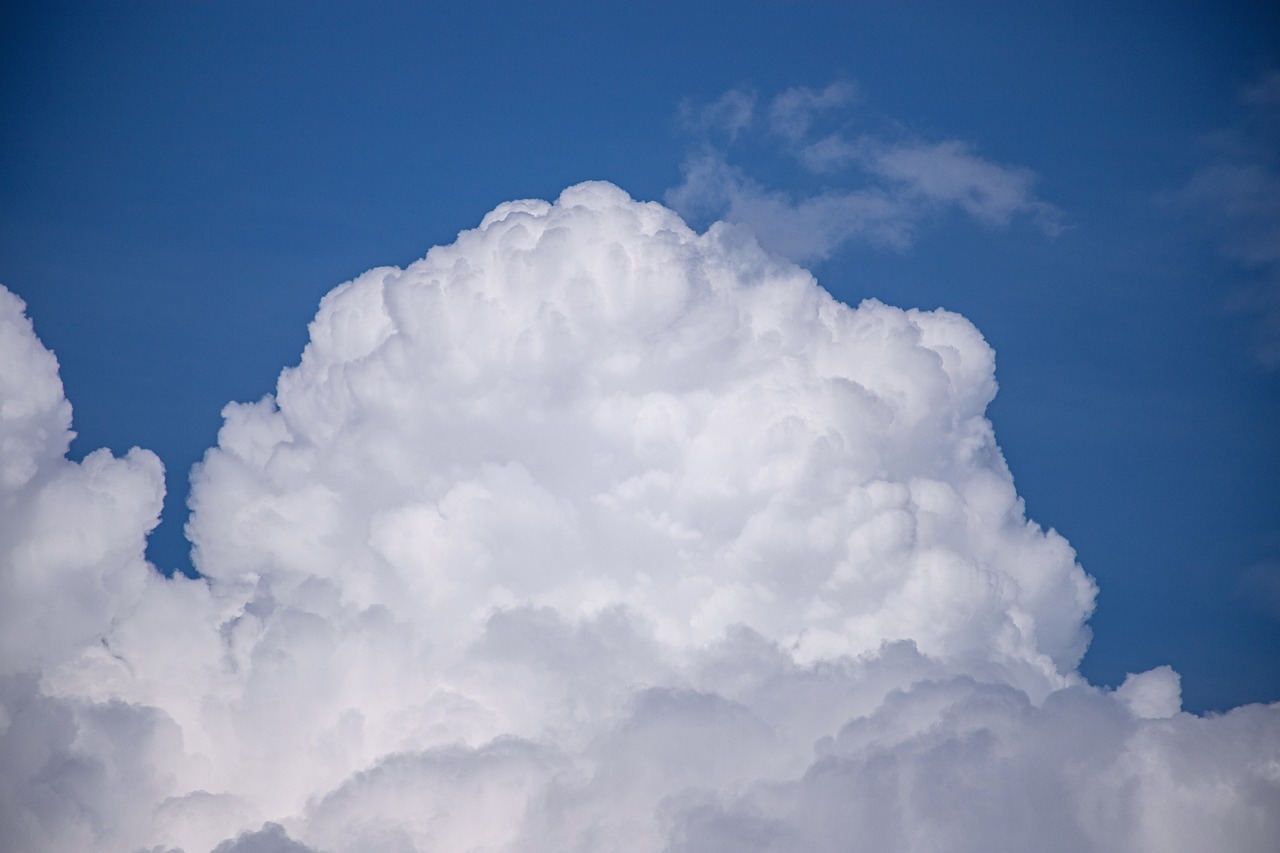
(181,183)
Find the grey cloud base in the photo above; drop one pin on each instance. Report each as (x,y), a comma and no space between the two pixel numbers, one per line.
(585,532)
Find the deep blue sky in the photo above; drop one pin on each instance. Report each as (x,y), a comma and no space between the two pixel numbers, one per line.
(181,182)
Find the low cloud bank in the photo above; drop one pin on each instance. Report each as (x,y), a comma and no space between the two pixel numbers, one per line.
(586,532)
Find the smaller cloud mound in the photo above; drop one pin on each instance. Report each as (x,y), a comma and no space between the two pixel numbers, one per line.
(1154,694)
(878,187)
(272,838)
(586,404)
(963,766)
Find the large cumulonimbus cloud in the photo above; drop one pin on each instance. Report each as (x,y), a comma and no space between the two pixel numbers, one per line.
(587,532)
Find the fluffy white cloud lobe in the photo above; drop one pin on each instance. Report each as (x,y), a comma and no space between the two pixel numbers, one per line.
(586,532)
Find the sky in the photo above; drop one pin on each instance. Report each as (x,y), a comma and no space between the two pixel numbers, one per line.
(1092,186)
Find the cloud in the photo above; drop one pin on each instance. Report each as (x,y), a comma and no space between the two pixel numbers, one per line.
(272,838)
(968,767)
(1155,694)
(1237,192)
(791,113)
(590,531)
(949,173)
(898,181)
(808,228)
(730,114)
(72,534)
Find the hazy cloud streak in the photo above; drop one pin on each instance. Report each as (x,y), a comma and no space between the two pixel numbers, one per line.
(1238,193)
(899,181)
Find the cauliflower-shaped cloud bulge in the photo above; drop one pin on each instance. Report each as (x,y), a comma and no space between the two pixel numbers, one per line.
(590,532)
(586,405)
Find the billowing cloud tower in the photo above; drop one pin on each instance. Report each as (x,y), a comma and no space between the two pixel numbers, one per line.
(586,532)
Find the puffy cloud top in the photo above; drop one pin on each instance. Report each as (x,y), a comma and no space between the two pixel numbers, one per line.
(587,532)
(35,419)
(586,404)
(71,535)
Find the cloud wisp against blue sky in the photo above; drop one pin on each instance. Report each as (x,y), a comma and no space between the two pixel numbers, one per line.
(878,187)
(1238,193)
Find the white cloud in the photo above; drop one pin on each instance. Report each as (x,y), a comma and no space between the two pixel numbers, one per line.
(1154,694)
(898,182)
(71,535)
(949,173)
(956,765)
(592,532)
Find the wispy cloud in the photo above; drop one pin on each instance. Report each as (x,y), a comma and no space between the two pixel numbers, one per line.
(801,228)
(880,186)
(729,114)
(1237,192)
(791,114)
